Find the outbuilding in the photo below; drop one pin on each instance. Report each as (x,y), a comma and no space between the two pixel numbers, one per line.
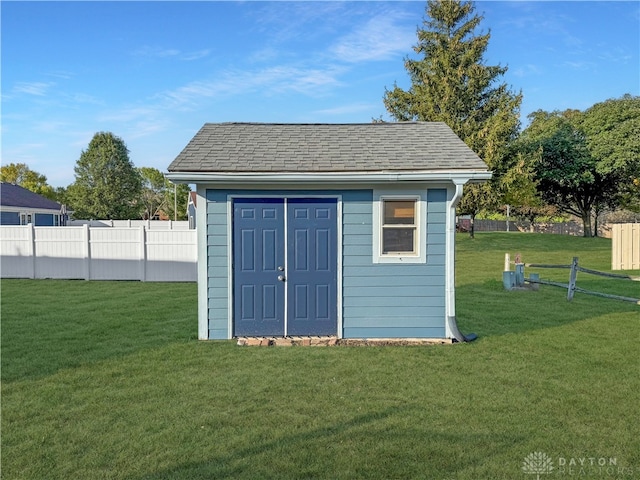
(327,229)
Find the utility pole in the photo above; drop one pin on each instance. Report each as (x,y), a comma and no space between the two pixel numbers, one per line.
(175,202)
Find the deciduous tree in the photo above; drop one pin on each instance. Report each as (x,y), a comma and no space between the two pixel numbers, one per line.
(159,194)
(612,131)
(21,174)
(566,172)
(107,183)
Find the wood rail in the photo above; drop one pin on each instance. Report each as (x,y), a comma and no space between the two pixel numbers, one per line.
(574,267)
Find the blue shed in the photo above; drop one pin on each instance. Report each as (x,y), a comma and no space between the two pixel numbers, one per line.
(327,229)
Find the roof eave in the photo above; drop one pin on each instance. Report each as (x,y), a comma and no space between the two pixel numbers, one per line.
(460,177)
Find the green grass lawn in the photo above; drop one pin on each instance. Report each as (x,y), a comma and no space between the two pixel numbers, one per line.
(107,380)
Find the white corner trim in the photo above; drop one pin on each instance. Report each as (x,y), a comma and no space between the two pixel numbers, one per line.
(203,264)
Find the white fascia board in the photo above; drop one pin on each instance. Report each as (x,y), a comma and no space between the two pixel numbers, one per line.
(459,177)
(42,211)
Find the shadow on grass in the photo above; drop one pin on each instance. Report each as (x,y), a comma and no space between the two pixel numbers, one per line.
(356,448)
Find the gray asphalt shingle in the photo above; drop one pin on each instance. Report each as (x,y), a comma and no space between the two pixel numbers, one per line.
(16,196)
(268,147)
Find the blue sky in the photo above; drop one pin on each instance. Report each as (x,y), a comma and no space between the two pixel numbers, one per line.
(154,72)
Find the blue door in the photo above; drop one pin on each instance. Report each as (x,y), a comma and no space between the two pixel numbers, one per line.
(258,267)
(282,290)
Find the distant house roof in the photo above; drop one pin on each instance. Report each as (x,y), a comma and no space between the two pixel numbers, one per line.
(326,148)
(15,196)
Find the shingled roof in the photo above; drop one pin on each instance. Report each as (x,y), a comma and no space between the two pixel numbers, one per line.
(16,196)
(301,148)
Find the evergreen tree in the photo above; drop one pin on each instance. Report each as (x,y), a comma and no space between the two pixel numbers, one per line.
(107,184)
(451,83)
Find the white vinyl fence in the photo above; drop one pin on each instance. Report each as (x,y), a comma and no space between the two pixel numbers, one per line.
(148,224)
(97,253)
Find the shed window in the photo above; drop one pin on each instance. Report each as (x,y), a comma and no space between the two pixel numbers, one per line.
(399,226)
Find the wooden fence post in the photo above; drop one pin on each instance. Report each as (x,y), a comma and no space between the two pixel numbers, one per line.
(572,279)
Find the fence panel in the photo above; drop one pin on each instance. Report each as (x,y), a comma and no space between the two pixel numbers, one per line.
(16,244)
(117,253)
(98,253)
(171,254)
(60,252)
(625,246)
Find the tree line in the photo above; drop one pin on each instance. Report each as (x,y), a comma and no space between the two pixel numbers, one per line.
(572,162)
(108,185)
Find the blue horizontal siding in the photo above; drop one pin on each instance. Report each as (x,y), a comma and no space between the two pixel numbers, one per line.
(393,300)
(379,300)
(218,333)
(395,332)
(406,281)
(386,318)
(364,304)
(404,295)
(437,218)
(217,292)
(436,249)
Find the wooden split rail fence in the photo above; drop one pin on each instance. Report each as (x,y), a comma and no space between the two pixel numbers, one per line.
(516,279)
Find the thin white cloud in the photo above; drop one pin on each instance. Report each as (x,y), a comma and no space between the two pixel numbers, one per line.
(148,51)
(63,75)
(381,38)
(39,89)
(527,70)
(579,64)
(189,56)
(277,79)
(159,52)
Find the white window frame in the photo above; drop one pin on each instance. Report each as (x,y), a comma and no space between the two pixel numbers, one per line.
(420,240)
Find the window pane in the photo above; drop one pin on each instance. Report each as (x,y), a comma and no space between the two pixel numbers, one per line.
(397,240)
(399,212)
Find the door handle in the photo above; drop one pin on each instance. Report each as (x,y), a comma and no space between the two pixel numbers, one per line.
(281,269)
(281,278)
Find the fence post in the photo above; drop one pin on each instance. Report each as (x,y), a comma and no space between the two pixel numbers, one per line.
(31,235)
(143,253)
(571,289)
(86,236)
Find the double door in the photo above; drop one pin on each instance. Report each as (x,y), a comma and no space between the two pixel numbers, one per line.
(284,266)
